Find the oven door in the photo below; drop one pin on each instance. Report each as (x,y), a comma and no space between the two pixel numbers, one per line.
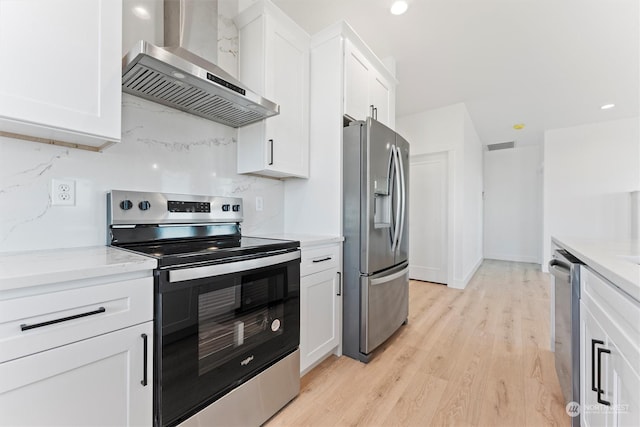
(217,326)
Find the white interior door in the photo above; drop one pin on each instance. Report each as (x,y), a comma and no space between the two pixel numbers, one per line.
(428,218)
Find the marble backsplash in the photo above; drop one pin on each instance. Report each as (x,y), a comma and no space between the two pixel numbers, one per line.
(161,150)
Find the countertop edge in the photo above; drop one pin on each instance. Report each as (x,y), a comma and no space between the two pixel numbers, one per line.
(92,262)
(605,261)
(306,240)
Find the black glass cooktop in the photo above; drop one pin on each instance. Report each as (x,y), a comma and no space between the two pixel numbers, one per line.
(180,252)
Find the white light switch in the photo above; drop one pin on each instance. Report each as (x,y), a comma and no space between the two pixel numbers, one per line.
(259,204)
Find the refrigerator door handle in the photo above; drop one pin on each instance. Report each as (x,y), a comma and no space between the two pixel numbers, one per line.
(397,212)
(403,194)
(391,193)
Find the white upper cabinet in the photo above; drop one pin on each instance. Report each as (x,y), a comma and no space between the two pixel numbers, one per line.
(274,61)
(356,83)
(60,79)
(368,91)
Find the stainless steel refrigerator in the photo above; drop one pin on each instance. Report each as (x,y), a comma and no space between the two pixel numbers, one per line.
(375,202)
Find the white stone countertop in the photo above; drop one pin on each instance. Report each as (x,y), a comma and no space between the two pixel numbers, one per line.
(617,261)
(306,240)
(33,268)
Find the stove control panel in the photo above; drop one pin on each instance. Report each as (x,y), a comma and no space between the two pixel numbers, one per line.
(180,206)
(162,208)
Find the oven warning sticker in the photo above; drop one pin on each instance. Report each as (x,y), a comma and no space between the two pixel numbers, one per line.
(275,325)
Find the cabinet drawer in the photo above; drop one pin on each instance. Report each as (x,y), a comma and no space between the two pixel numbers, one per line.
(319,259)
(622,309)
(35,323)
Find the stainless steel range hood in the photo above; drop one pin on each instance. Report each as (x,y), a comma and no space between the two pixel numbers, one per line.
(178,78)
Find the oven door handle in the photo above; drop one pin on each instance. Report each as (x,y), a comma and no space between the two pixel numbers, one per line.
(192,273)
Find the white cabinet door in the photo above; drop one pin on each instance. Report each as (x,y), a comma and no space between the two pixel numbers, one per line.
(610,359)
(592,338)
(288,83)
(623,388)
(97,381)
(357,76)
(274,61)
(61,70)
(319,317)
(367,92)
(380,96)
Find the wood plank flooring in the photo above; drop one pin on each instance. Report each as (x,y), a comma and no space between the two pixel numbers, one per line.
(477,357)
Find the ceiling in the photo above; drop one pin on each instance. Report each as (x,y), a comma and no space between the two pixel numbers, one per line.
(545,63)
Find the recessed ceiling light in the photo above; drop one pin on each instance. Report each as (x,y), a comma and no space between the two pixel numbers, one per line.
(607,106)
(518,126)
(141,12)
(399,7)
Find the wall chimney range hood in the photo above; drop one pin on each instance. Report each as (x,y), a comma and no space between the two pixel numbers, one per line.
(178,78)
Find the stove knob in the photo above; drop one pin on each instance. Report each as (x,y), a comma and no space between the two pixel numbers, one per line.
(225,208)
(236,208)
(144,205)
(125,205)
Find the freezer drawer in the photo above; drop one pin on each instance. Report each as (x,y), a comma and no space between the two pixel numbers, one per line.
(384,306)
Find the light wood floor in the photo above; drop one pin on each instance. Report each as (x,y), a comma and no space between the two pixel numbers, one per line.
(478,357)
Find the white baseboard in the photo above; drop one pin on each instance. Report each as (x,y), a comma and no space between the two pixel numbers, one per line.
(514,258)
(461,284)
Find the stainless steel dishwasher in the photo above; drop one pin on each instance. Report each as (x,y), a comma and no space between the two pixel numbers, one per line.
(565,269)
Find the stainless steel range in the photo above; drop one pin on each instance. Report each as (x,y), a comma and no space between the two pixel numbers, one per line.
(227,308)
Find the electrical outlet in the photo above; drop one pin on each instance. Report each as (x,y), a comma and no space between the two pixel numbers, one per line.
(63,192)
(259,204)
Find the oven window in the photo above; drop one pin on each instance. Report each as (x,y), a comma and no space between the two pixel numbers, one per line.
(236,319)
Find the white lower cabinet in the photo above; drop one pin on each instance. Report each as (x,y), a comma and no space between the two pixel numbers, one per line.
(320,305)
(609,353)
(104,380)
(78,353)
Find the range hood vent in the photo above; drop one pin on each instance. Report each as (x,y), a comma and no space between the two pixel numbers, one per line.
(178,78)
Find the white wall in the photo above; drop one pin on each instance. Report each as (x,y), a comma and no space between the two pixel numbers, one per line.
(161,150)
(449,129)
(589,172)
(433,131)
(512,204)
(472,230)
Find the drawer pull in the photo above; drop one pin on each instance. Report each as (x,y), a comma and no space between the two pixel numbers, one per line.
(600,389)
(144,360)
(26,327)
(593,365)
(322,259)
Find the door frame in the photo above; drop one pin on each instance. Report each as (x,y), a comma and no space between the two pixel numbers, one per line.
(448,157)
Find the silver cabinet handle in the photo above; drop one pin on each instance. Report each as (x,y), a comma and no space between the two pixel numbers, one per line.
(339,283)
(270,152)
